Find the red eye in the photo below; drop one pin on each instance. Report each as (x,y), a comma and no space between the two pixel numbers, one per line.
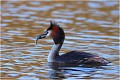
(55,29)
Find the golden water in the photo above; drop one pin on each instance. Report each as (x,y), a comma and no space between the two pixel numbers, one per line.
(90,26)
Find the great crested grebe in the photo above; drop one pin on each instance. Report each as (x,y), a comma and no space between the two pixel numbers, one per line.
(73,57)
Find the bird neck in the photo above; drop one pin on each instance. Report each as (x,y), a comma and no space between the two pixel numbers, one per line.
(54,52)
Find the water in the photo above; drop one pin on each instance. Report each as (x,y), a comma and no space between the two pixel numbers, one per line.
(90,26)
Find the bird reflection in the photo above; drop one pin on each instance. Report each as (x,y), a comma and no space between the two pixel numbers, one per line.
(59,71)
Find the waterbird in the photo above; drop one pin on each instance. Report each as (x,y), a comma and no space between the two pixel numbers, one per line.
(72,57)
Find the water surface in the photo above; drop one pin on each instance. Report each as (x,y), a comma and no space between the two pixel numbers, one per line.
(90,26)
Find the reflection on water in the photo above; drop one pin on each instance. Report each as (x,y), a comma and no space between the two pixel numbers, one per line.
(86,72)
(90,26)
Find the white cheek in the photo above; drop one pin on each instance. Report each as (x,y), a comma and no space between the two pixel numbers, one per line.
(48,33)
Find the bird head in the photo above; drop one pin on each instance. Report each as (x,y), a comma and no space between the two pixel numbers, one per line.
(54,31)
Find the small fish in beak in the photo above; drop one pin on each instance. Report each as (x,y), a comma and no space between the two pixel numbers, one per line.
(41,36)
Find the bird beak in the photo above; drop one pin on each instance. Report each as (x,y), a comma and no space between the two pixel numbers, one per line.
(41,36)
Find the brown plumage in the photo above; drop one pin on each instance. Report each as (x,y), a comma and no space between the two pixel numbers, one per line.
(73,57)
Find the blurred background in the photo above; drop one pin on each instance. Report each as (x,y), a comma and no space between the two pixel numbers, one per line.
(90,26)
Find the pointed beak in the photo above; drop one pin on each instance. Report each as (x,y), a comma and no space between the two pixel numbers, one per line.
(41,36)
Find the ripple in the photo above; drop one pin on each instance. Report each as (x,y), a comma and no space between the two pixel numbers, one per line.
(28,77)
(43,8)
(64,20)
(94,5)
(99,21)
(115,12)
(19,15)
(58,5)
(7,20)
(113,3)
(89,27)
(35,3)
(4,24)
(13,32)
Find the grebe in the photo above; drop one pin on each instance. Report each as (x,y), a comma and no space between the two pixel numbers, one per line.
(73,57)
